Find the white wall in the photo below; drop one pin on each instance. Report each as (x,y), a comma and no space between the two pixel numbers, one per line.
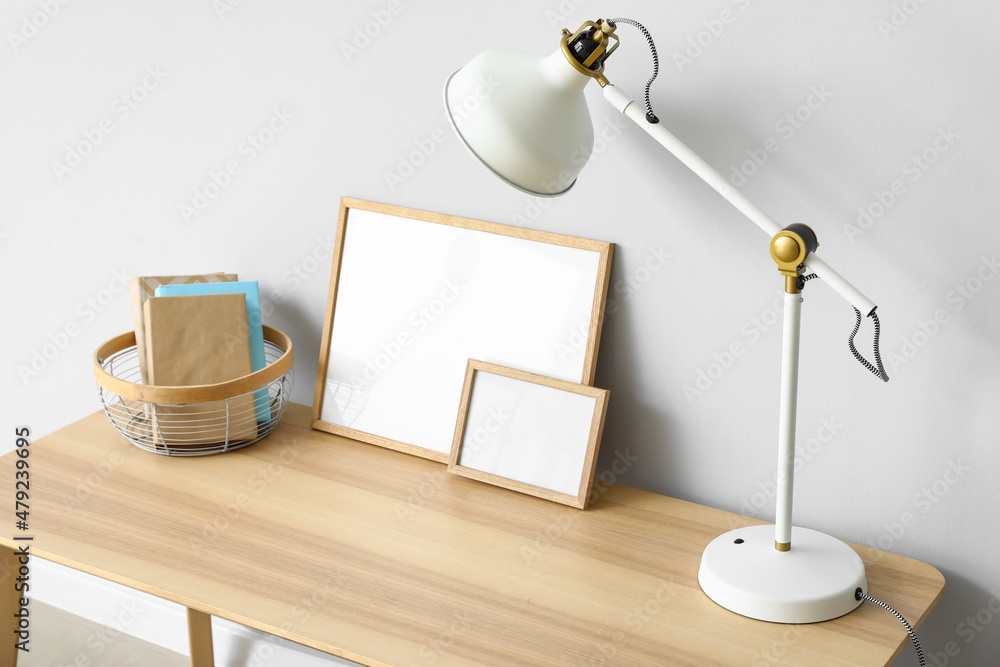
(888,81)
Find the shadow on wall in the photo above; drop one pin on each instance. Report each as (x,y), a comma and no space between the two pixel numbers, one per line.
(630,420)
(965,616)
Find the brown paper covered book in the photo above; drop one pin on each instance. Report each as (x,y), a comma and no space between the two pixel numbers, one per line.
(190,341)
(144,287)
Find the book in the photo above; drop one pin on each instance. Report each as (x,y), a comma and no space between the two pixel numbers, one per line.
(190,341)
(253,332)
(144,287)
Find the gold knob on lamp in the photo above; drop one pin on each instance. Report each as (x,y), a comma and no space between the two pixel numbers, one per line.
(789,249)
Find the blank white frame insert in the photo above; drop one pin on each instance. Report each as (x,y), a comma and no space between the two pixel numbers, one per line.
(530,433)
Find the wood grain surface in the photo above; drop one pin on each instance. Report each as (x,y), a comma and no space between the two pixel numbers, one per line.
(386,559)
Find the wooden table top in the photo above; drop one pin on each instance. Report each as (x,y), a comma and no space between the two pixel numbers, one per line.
(387,559)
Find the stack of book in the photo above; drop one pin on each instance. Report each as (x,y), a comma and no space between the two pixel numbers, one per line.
(200,330)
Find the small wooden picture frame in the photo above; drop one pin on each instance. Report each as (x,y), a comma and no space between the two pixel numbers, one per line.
(528,433)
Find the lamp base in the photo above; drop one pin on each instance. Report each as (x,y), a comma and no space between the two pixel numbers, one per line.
(815,581)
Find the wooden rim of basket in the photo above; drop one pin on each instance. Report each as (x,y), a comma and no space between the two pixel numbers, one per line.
(197,393)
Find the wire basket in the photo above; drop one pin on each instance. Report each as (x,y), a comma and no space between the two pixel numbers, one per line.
(198,420)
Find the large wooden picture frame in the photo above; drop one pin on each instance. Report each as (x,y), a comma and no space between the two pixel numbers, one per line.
(528,433)
(414,295)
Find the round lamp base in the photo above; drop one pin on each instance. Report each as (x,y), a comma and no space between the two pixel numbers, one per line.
(814,581)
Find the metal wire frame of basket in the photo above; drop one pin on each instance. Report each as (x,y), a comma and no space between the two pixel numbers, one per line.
(199,420)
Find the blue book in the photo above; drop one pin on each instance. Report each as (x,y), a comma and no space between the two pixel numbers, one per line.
(254,321)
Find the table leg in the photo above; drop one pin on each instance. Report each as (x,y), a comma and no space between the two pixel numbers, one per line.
(10,604)
(200,638)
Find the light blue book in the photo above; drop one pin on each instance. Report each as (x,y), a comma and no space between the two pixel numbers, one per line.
(256,329)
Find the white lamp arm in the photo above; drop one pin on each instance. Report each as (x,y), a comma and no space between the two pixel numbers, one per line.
(637,114)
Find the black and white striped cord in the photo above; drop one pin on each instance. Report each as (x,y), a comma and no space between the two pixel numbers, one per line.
(877,369)
(802,280)
(650,116)
(860,595)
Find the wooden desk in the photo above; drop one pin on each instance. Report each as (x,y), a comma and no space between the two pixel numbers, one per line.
(386,559)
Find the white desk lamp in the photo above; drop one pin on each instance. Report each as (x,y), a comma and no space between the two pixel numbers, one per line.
(526,119)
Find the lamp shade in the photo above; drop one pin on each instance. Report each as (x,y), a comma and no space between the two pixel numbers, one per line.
(525,117)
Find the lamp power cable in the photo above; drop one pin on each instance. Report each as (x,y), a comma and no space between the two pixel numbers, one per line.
(650,116)
(861,595)
(877,369)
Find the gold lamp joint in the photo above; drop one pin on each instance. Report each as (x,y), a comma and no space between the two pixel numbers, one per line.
(789,249)
(602,32)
